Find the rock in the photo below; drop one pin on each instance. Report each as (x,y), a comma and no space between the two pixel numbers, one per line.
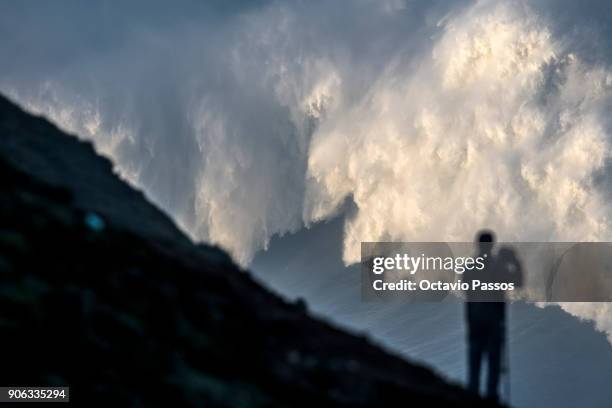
(101,292)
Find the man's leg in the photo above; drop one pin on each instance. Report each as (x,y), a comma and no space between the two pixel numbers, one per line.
(494,358)
(474,362)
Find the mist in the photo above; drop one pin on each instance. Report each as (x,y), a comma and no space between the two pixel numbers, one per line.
(243,122)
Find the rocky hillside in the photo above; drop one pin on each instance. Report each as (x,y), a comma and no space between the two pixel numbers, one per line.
(101,292)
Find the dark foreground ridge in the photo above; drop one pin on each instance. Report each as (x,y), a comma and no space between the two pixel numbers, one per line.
(101,292)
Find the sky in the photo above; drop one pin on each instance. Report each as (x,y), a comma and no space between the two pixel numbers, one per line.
(256,119)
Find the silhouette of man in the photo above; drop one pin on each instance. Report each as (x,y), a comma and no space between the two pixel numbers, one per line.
(486,312)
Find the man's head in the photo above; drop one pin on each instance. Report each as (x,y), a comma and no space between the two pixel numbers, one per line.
(485,239)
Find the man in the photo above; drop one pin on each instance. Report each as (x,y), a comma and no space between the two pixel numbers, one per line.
(486,312)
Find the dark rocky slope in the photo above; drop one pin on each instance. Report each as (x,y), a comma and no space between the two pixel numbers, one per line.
(100,291)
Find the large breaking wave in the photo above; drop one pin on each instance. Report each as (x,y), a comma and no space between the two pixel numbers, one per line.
(434,118)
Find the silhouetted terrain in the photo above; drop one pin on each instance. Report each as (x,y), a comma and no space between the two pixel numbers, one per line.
(101,292)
